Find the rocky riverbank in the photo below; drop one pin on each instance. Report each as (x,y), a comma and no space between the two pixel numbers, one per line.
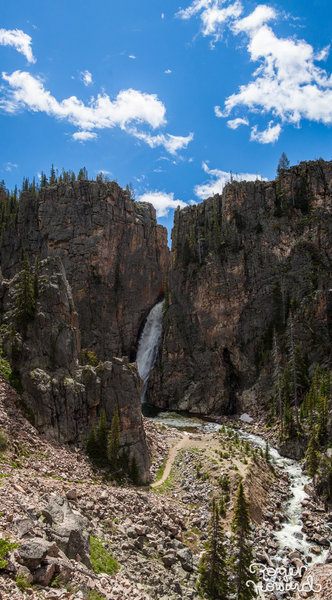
(55,506)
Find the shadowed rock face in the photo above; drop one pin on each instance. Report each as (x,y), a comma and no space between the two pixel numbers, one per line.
(64,397)
(114,254)
(239,262)
(104,262)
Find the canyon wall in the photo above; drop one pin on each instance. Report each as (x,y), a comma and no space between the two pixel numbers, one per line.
(114,253)
(103,263)
(243,264)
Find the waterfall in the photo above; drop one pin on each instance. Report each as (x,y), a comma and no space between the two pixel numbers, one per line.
(149,343)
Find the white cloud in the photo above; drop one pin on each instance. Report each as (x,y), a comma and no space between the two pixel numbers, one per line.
(171,143)
(287,84)
(168,71)
(218,181)
(162,15)
(132,56)
(261,15)
(235,123)
(86,77)
(162,202)
(128,108)
(214,15)
(84,136)
(9,166)
(268,136)
(19,40)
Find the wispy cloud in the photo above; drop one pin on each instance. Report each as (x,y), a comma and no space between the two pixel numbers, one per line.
(218,180)
(162,201)
(9,166)
(86,77)
(19,40)
(171,143)
(287,84)
(168,71)
(235,123)
(129,109)
(132,56)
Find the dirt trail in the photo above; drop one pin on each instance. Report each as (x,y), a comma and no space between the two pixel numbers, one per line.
(186,441)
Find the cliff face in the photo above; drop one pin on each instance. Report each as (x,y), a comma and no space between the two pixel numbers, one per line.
(60,396)
(114,254)
(103,262)
(241,263)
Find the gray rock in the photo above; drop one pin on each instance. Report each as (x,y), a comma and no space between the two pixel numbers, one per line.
(32,552)
(186,558)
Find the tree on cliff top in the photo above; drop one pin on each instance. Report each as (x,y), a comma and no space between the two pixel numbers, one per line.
(283,163)
(213,581)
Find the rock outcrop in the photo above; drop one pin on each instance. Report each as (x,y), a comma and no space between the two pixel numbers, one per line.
(240,263)
(114,253)
(63,398)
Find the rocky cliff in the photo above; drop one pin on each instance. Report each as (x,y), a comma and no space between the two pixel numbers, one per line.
(241,264)
(114,253)
(103,264)
(61,397)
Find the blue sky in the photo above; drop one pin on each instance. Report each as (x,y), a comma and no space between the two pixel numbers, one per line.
(170,97)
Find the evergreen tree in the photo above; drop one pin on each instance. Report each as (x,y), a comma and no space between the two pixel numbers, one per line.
(52,175)
(113,442)
(243,553)
(313,456)
(213,581)
(101,439)
(283,163)
(91,445)
(25,300)
(82,174)
(276,355)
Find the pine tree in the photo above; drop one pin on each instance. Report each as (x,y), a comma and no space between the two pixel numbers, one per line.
(213,581)
(113,442)
(243,553)
(91,445)
(276,355)
(283,163)
(52,175)
(101,439)
(313,456)
(25,300)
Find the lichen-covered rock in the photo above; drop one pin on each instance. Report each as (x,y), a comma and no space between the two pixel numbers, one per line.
(239,262)
(33,551)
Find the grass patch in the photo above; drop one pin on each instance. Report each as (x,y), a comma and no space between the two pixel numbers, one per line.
(161,470)
(94,595)
(102,561)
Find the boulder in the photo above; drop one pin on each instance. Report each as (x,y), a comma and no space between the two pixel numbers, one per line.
(33,551)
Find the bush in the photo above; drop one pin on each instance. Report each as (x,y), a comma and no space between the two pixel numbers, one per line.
(22,582)
(3,441)
(102,561)
(5,547)
(94,595)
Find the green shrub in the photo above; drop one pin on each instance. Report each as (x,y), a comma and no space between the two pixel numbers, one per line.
(94,595)
(5,368)
(5,547)
(102,561)
(22,582)
(3,441)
